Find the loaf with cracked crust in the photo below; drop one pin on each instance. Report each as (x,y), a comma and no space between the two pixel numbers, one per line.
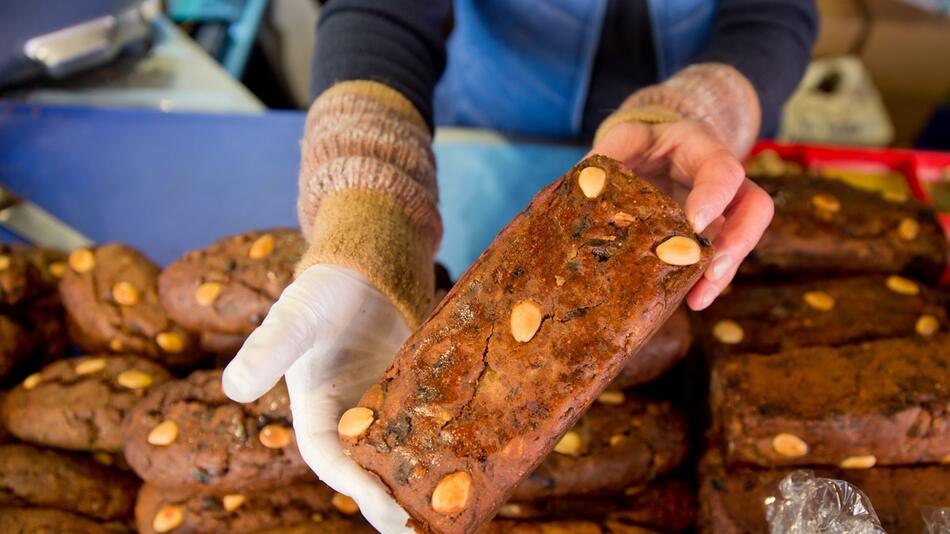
(527,339)
(826,226)
(187,511)
(34,477)
(621,441)
(187,434)
(228,286)
(80,403)
(663,505)
(776,316)
(732,501)
(882,402)
(111,298)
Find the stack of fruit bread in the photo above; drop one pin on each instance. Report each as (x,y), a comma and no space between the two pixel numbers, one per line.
(136,434)
(830,352)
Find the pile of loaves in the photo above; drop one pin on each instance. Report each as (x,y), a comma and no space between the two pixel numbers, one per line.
(831,352)
(136,432)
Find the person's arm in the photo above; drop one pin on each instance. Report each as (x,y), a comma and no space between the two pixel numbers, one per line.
(368,195)
(769,42)
(696,126)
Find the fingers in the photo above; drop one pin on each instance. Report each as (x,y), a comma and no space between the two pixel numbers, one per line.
(625,142)
(745,222)
(289,329)
(315,426)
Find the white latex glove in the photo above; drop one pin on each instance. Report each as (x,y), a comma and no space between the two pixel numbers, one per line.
(332,335)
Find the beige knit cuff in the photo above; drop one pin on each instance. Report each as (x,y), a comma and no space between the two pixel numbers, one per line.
(714,93)
(370,233)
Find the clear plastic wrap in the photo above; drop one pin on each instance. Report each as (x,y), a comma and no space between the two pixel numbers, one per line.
(936,520)
(810,505)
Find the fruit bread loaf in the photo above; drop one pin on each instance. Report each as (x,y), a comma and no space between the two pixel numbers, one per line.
(15,520)
(733,501)
(80,403)
(187,434)
(30,476)
(111,298)
(228,286)
(527,339)
(826,226)
(663,505)
(771,317)
(882,402)
(621,441)
(664,350)
(169,510)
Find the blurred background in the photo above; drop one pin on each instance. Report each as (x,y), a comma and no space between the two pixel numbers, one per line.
(880,76)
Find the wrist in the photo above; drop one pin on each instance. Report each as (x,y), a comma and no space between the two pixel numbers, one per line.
(713,93)
(369,232)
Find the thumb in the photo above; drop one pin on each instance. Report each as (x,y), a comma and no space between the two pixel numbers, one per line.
(286,333)
(626,142)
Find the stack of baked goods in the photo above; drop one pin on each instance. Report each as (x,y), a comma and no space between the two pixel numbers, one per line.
(831,353)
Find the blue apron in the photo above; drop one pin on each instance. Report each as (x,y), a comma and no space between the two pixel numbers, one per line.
(524,66)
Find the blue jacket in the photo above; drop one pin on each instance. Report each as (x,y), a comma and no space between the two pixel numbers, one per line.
(525,66)
(555,68)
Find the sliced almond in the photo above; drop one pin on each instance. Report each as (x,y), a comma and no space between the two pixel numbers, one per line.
(134,379)
(168,518)
(4,262)
(899,284)
(858,462)
(525,320)
(569,444)
(825,202)
(125,294)
(103,458)
(622,219)
(344,504)
(355,421)
(510,510)
(274,436)
(82,260)
(164,434)
(207,293)
(728,332)
(261,247)
(452,493)
(233,501)
(679,250)
(170,342)
(789,445)
(819,300)
(908,229)
(894,196)
(56,269)
(90,365)
(592,181)
(927,325)
(32,381)
(611,397)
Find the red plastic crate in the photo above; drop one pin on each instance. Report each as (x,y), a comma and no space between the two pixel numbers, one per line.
(924,172)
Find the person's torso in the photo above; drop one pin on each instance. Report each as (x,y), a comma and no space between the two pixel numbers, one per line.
(555,68)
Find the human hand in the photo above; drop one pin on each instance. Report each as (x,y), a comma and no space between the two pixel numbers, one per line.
(719,201)
(331,335)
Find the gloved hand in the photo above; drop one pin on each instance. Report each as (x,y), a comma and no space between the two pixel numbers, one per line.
(691,131)
(332,335)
